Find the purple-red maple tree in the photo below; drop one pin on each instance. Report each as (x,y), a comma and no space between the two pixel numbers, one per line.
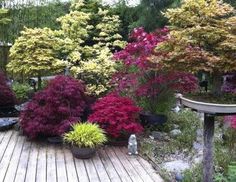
(52,110)
(117,115)
(7,97)
(139,77)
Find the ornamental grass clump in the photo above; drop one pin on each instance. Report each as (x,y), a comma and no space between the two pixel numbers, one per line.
(52,111)
(117,115)
(85,135)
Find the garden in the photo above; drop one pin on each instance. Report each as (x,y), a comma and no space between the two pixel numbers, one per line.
(158,78)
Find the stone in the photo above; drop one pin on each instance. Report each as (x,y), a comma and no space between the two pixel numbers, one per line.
(157,135)
(174,133)
(176,166)
(197,159)
(199,132)
(21,107)
(179,177)
(7,123)
(175,126)
(197,146)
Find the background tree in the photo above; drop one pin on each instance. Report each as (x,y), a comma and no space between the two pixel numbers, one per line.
(3,16)
(232,2)
(128,16)
(202,38)
(95,33)
(37,13)
(150,13)
(37,52)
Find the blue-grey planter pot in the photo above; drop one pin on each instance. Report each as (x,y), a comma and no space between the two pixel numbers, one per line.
(152,119)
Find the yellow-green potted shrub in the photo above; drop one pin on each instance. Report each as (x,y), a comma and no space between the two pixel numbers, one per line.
(84,139)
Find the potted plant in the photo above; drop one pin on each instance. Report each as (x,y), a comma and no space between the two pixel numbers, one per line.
(118,116)
(150,86)
(84,139)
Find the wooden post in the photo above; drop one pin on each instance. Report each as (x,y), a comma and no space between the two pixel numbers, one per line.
(209,122)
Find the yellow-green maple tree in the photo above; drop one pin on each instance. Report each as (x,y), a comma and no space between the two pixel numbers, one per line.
(38,52)
(202,38)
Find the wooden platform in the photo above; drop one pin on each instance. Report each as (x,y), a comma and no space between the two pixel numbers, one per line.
(22,160)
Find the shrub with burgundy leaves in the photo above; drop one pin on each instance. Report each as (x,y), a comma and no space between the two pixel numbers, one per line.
(117,115)
(52,111)
(144,81)
(229,85)
(7,97)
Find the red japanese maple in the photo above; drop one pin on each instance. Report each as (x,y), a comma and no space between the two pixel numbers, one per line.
(7,97)
(117,115)
(139,77)
(53,110)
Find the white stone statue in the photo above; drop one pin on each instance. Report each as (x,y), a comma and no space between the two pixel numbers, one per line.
(132,145)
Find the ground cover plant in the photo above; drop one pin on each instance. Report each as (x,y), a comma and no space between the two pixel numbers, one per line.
(117,115)
(22,91)
(52,110)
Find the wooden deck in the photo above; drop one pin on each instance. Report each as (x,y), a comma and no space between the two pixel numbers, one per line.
(22,160)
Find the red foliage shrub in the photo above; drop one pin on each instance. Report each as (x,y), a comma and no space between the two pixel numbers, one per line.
(116,115)
(231,120)
(139,76)
(53,110)
(7,97)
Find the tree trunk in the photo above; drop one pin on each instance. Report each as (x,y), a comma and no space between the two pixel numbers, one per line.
(217,83)
(39,82)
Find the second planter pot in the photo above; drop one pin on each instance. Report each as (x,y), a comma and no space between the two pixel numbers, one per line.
(82,153)
(152,119)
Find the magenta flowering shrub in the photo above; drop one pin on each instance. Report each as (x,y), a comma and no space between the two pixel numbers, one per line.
(140,77)
(7,97)
(53,110)
(231,120)
(117,115)
(229,86)
(142,45)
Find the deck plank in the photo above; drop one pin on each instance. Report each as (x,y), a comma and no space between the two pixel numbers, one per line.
(133,160)
(32,164)
(51,164)
(61,167)
(4,143)
(118,166)
(2,134)
(111,171)
(81,171)
(101,171)
(23,162)
(134,175)
(92,173)
(7,156)
(42,164)
(10,175)
(70,166)
(156,177)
